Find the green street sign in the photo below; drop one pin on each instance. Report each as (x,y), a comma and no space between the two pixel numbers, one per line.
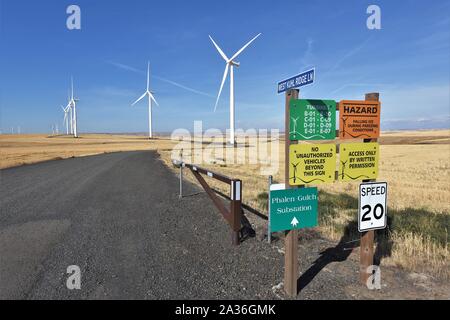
(293,209)
(312,119)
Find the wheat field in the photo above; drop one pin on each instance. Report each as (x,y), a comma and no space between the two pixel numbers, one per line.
(416,166)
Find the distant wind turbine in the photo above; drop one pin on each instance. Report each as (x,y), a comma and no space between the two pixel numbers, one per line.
(66,118)
(151,98)
(69,108)
(230,64)
(73,114)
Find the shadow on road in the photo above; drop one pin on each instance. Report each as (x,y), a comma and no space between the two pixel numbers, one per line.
(338,253)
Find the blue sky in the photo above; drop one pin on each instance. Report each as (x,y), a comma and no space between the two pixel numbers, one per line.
(407,61)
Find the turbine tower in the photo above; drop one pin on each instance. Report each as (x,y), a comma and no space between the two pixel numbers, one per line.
(230,64)
(73,114)
(69,107)
(151,98)
(66,118)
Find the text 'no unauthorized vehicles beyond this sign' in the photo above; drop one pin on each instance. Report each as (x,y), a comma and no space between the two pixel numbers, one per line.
(293,209)
(372,212)
(299,80)
(358,161)
(311,163)
(359,119)
(312,119)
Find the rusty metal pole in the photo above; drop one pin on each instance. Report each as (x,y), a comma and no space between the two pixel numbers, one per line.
(236,210)
(367,238)
(291,237)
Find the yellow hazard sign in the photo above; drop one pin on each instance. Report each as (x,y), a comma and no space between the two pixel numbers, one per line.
(358,161)
(311,163)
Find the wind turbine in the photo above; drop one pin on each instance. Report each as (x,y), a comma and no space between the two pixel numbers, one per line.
(230,64)
(72,105)
(66,118)
(151,98)
(69,107)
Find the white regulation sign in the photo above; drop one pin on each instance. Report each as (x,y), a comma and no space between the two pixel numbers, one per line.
(372,212)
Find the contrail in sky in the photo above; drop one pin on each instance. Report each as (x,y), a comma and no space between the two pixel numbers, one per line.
(179,85)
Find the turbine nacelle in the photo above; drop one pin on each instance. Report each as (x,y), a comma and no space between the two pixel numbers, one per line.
(230,62)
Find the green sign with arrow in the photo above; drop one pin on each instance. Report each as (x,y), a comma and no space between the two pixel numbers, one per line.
(293,209)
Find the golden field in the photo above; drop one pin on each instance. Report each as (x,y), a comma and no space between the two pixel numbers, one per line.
(16,150)
(416,166)
(414,163)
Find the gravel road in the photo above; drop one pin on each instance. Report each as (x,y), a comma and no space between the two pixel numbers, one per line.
(118,217)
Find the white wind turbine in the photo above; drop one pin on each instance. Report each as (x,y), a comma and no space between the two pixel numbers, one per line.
(230,64)
(150,99)
(69,107)
(73,114)
(66,118)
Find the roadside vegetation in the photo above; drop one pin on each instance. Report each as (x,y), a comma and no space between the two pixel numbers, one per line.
(417,172)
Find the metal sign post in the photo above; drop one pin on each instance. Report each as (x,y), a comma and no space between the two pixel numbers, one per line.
(291,238)
(269,233)
(236,210)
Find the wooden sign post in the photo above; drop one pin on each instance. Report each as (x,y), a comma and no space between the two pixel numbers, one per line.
(367,238)
(291,238)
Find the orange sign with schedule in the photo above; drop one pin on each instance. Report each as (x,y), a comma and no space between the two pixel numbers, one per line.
(359,119)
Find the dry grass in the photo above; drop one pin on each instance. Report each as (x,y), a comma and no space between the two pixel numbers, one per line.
(415,164)
(417,252)
(418,176)
(419,198)
(16,150)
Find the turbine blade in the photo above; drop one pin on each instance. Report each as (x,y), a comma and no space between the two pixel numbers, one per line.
(153,98)
(243,48)
(225,73)
(148,75)
(140,98)
(218,49)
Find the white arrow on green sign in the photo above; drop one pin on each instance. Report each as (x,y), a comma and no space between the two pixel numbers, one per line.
(293,209)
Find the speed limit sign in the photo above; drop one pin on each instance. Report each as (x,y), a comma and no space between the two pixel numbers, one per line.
(372,211)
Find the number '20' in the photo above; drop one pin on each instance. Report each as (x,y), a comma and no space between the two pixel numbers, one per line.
(368,208)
